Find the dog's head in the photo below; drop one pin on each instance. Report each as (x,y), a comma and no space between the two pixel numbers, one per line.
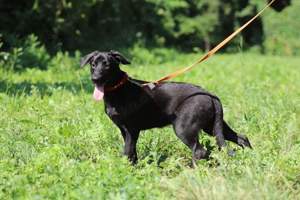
(104,65)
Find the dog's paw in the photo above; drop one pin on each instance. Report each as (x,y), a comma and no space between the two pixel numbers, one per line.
(231,152)
(201,154)
(243,141)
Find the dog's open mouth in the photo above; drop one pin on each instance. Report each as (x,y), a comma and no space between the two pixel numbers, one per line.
(98,93)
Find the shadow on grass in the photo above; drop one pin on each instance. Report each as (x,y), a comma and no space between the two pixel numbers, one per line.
(43,88)
(164,155)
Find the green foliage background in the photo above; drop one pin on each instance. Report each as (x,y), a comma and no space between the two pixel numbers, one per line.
(86,25)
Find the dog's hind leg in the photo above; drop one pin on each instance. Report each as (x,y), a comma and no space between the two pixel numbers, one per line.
(218,123)
(232,136)
(187,132)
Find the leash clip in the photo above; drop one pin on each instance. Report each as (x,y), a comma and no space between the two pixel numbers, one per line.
(151,85)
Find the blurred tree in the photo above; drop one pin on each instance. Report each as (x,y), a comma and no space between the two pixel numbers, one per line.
(90,24)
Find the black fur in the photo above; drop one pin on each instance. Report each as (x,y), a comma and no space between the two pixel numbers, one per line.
(134,107)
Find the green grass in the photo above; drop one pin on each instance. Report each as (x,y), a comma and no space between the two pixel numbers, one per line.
(57,143)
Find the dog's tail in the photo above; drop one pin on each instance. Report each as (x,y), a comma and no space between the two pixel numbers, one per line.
(218,122)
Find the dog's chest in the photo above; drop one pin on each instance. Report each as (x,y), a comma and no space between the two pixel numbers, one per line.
(140,112)
(112,112)
(124,111)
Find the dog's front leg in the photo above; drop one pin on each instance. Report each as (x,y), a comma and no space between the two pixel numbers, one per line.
(130,139)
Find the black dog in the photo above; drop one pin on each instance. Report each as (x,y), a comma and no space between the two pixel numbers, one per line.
(133,106)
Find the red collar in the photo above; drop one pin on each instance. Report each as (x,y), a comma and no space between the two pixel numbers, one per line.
(118,85)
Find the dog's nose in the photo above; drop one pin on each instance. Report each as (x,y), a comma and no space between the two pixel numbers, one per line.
(94,79)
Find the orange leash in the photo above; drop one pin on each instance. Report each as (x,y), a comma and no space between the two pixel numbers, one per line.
(210,53)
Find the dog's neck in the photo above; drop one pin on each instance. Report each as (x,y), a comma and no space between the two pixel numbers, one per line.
(119,79)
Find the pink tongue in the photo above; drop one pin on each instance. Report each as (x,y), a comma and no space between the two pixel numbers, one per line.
(98,93)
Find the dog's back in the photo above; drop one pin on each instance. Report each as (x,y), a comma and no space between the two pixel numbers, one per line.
(144,108)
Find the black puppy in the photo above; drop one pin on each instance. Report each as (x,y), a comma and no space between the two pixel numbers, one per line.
(133,106)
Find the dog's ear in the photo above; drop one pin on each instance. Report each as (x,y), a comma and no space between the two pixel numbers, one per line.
(86,59)
(119,57)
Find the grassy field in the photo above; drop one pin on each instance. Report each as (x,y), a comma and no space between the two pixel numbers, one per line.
(57,143)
